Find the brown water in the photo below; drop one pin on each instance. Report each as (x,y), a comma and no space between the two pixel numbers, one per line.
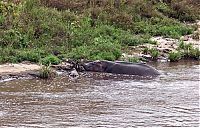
(102,100)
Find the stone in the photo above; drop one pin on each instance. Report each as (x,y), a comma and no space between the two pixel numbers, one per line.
(63,66)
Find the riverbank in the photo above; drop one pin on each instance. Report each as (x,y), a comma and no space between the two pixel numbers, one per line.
(50,32)
(164,46)
(28,70)
(25,70)
(6,69)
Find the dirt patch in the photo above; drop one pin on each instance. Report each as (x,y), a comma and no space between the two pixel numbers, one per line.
(17,68)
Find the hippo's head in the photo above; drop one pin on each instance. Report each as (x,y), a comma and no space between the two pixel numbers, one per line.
(95,66)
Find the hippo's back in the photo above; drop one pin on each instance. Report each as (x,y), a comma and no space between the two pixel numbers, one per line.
(133,69)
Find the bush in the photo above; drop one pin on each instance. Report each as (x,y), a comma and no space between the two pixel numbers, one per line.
(175,31)
(102,48)
(133,59)
(82,52)
(183,12)
(64,28)
(8,54)
(188,51)
(137,40)
(154,53)
(46,72)
(195,53)
(104,56)
(103,44)
(145,51)
(164,8)
(178,10)
(162,27)
(51,59)
(174,56)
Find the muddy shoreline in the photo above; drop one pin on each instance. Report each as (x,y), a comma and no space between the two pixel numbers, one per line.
(28,70)
(35,73)
(17,73)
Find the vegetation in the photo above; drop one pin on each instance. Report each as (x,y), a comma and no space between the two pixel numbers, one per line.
(152,51)
(184,51)
(133,59)
(49,30)
(188,51)
(46,72)
(174,56)
(51,59)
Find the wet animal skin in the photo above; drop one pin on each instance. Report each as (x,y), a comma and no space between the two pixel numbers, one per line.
(140,69)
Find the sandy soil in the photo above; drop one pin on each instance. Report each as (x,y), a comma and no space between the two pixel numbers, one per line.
(17,68)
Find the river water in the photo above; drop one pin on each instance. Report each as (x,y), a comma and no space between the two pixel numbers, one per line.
(105,100)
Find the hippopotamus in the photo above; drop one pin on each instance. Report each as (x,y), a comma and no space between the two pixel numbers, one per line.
(120,67)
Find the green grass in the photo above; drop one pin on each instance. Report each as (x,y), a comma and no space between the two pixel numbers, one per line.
(46,72)
(133,60)
(100,49)
(51,59)
(188,51)
(174,56)
(49,31)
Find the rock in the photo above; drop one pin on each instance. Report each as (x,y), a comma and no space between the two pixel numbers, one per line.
(174,46)
(63,66)
(163,59)
(74,74)
(35,74)
(148,57)
(165,50)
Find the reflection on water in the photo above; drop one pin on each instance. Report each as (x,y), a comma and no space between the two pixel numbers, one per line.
(104,100)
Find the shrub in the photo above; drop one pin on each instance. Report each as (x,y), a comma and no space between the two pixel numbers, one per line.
(137,40)
(179,10)
(29,55)
(164,8)
(195,53)
(145,51)
(133,59)
(2,20)
(188,51)
(162,27)
(63,28)
(103,48)
(105,44)
(104,56)
(145,9)
(51,59)
(174,56)
(81,52)
(46,72)
(121,20)
(8,54)
(154,53)
(173,31)
(183,12)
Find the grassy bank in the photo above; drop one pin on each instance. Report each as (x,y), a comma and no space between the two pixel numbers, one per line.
(42,30)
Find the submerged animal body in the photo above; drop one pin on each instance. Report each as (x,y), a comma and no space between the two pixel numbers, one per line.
(139,69)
